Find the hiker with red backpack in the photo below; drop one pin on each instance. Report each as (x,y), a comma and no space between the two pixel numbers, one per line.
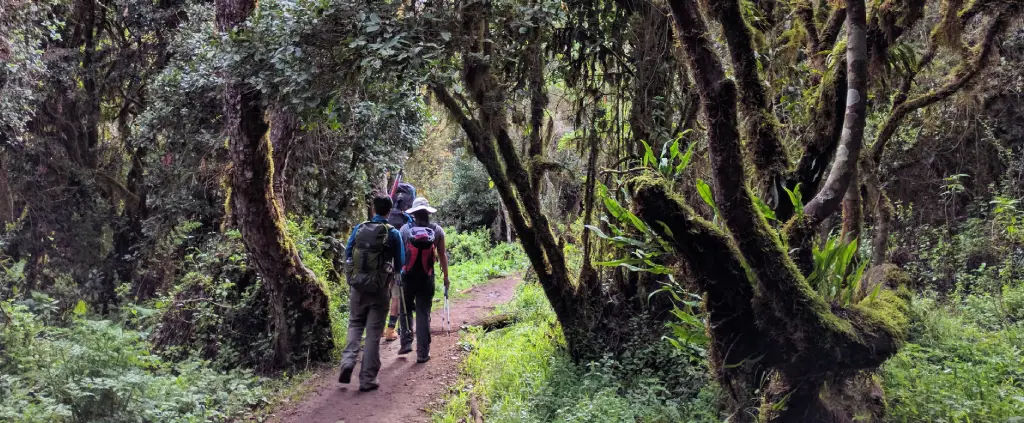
(374,254)
(424,244)
(402,194)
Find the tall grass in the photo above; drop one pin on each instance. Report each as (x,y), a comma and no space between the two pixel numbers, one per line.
(963,363)
(475,260)
(522,374)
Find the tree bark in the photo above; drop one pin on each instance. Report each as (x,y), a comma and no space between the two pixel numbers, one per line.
(588,199)
(844,165)
(284,127)
(760,126)
(7,215)
(824,132)
(852,211)
(300,323)
(792,320)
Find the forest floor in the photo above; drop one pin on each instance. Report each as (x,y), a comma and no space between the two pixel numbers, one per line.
(407,389)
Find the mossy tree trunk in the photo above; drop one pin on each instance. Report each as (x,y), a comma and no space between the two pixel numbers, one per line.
(766,323)
(299,321)
(284,130)
(593,324)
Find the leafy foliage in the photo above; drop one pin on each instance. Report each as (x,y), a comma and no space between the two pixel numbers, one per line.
(957,368)
(521,374)
(836,274)
(95,370)
(475,260)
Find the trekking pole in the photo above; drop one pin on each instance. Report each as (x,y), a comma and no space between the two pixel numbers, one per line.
(404,320)
(447,312)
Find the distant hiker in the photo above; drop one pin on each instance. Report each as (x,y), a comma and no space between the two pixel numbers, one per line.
(375,253)
(424,244)
(402,195)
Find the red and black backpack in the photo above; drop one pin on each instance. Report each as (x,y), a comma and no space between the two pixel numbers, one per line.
(421,248)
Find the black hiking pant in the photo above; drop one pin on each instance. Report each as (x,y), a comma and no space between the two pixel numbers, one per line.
(419,296)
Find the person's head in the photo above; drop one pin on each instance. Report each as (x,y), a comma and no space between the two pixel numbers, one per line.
(421,216)
(382,204)
(421,210)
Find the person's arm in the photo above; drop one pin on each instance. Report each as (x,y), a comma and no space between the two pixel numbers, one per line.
(351,239)
(443,253)
(399,247)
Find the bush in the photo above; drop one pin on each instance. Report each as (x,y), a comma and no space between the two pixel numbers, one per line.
(94,370)
(319,256)
(474,260)
(958,366)
(522,374)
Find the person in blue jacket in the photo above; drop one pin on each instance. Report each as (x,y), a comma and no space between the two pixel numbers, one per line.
(368,308)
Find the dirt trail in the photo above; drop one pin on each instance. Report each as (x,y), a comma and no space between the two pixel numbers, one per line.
(406,388)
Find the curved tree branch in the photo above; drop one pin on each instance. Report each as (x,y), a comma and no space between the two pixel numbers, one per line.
(963,76)
(845,162)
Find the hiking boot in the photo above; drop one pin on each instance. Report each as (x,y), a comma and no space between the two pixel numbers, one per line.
(423,359)
(390,334)
(346,374)
(369,386)
(405,349)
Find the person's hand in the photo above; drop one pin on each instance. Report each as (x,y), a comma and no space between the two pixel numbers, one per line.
(447,283)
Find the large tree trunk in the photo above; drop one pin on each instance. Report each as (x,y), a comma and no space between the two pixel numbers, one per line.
(593,324)
(300,323)
(807,351)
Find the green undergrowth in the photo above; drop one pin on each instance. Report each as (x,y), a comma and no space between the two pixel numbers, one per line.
(523,374)
(963,361)
(317,255)
(475,260)
(96,371)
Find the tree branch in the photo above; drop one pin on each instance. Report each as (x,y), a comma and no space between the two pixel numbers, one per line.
(760,123)
(963,76)
(845,162)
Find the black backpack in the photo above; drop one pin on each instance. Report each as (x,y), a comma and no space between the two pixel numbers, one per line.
(402,198)
(372,259)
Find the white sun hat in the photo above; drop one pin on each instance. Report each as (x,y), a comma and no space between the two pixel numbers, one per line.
(421,203)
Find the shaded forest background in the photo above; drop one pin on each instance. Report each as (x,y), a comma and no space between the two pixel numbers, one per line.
(776,194)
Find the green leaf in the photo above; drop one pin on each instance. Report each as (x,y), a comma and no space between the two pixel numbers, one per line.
(705,194)
(490,184)
(445,35)
(796,198)
(80,308)
(765,210)
(619,212)
(685,160)
(648,155)
(613,263)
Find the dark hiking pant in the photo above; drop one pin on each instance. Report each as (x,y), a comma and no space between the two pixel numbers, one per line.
(367,312)
(419,295)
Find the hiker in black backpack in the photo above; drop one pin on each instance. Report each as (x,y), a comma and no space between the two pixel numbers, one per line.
(402,194)
(374,255)
(424,244)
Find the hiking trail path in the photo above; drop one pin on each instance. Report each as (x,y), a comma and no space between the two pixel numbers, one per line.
(407,389)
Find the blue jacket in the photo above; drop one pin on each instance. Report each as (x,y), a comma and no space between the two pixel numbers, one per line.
(394,242)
